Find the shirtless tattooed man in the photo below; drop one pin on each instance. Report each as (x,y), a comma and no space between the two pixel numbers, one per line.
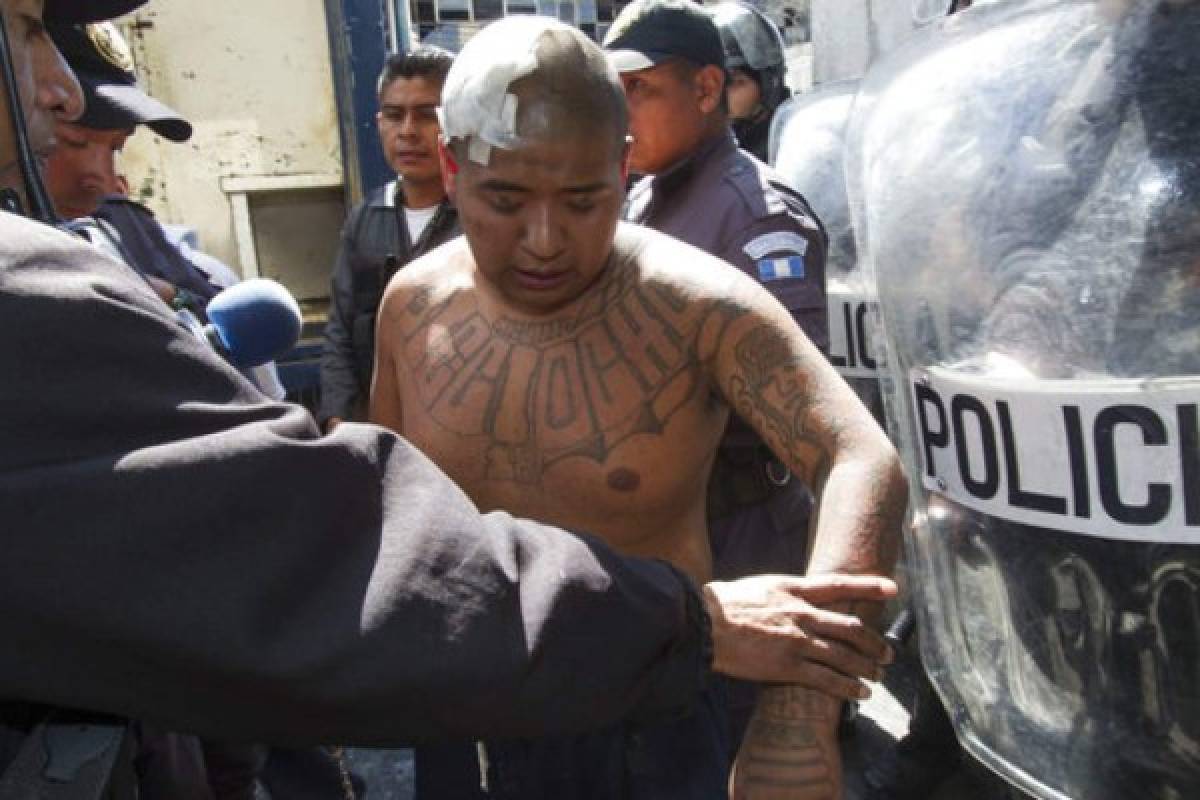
(562,366)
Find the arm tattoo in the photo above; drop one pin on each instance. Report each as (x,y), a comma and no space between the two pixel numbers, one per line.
(785,755)
(794,703)
(783,750)
(771,391)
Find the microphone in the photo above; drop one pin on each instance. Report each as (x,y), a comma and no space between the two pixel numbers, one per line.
(253,322)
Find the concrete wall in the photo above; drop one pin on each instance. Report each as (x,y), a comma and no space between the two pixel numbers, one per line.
(254,79)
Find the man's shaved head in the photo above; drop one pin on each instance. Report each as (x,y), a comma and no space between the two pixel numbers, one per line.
(573,89)
(558,83)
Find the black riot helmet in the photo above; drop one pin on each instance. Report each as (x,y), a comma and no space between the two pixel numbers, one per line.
(753,43)
(36,202)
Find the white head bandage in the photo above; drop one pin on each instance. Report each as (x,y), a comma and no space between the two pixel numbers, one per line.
(476,103)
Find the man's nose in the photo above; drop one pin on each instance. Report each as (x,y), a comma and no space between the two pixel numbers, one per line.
(58,90)
(93,165)
(106,168)
(408,124)
(544,236)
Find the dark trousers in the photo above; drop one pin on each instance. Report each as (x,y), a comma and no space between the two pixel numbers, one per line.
(682,759)
(175,766)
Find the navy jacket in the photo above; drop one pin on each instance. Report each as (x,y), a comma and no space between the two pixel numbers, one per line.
(375,243)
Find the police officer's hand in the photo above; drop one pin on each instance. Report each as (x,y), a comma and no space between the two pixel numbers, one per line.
(770,628)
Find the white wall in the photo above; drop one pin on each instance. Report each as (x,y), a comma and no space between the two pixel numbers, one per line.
(254,79)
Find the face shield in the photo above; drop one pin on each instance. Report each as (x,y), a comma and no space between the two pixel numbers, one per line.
(753,42)
(1025,186)
(807,147)
(750,39)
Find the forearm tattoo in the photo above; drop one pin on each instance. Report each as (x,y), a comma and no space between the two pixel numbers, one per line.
(783,750)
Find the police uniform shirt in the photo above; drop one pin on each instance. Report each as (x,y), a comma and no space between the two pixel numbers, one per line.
(733,206)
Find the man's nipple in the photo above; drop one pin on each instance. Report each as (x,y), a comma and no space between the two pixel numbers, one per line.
(624,480)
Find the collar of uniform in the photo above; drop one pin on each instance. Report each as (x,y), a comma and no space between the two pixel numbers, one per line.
(675,176)
(392,194)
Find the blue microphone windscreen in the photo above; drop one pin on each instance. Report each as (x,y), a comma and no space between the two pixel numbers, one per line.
(257,320)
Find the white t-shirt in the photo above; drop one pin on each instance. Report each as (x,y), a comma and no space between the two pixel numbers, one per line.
(418,220)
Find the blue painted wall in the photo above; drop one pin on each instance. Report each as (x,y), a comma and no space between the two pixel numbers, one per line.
(358,38)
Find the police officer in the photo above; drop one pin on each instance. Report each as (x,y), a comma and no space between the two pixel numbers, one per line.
(321,589)
(394,225)
(755,59)
(702,189)
(81,174)
(81,178)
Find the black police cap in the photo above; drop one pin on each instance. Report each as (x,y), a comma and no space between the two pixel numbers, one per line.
(649,32)
(100,60)
(67,12)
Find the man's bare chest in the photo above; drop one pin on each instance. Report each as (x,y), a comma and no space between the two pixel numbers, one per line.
(517,399)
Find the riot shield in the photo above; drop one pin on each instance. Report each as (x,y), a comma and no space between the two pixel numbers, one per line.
(1025,183)
(807,143)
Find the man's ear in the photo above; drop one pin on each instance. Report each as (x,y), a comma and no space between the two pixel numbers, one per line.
(449,165)
(709,81)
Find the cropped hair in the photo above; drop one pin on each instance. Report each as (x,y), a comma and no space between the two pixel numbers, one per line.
(426,61)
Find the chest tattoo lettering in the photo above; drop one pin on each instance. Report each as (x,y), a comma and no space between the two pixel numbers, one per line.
(537,393)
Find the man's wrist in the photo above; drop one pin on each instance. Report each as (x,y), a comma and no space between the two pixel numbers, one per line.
(799,704)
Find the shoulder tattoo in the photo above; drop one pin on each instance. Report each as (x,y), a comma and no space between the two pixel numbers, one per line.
(772,389)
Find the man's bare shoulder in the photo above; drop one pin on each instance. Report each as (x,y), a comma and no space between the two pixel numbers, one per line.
(664,262)
(727,309)
(429,279)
